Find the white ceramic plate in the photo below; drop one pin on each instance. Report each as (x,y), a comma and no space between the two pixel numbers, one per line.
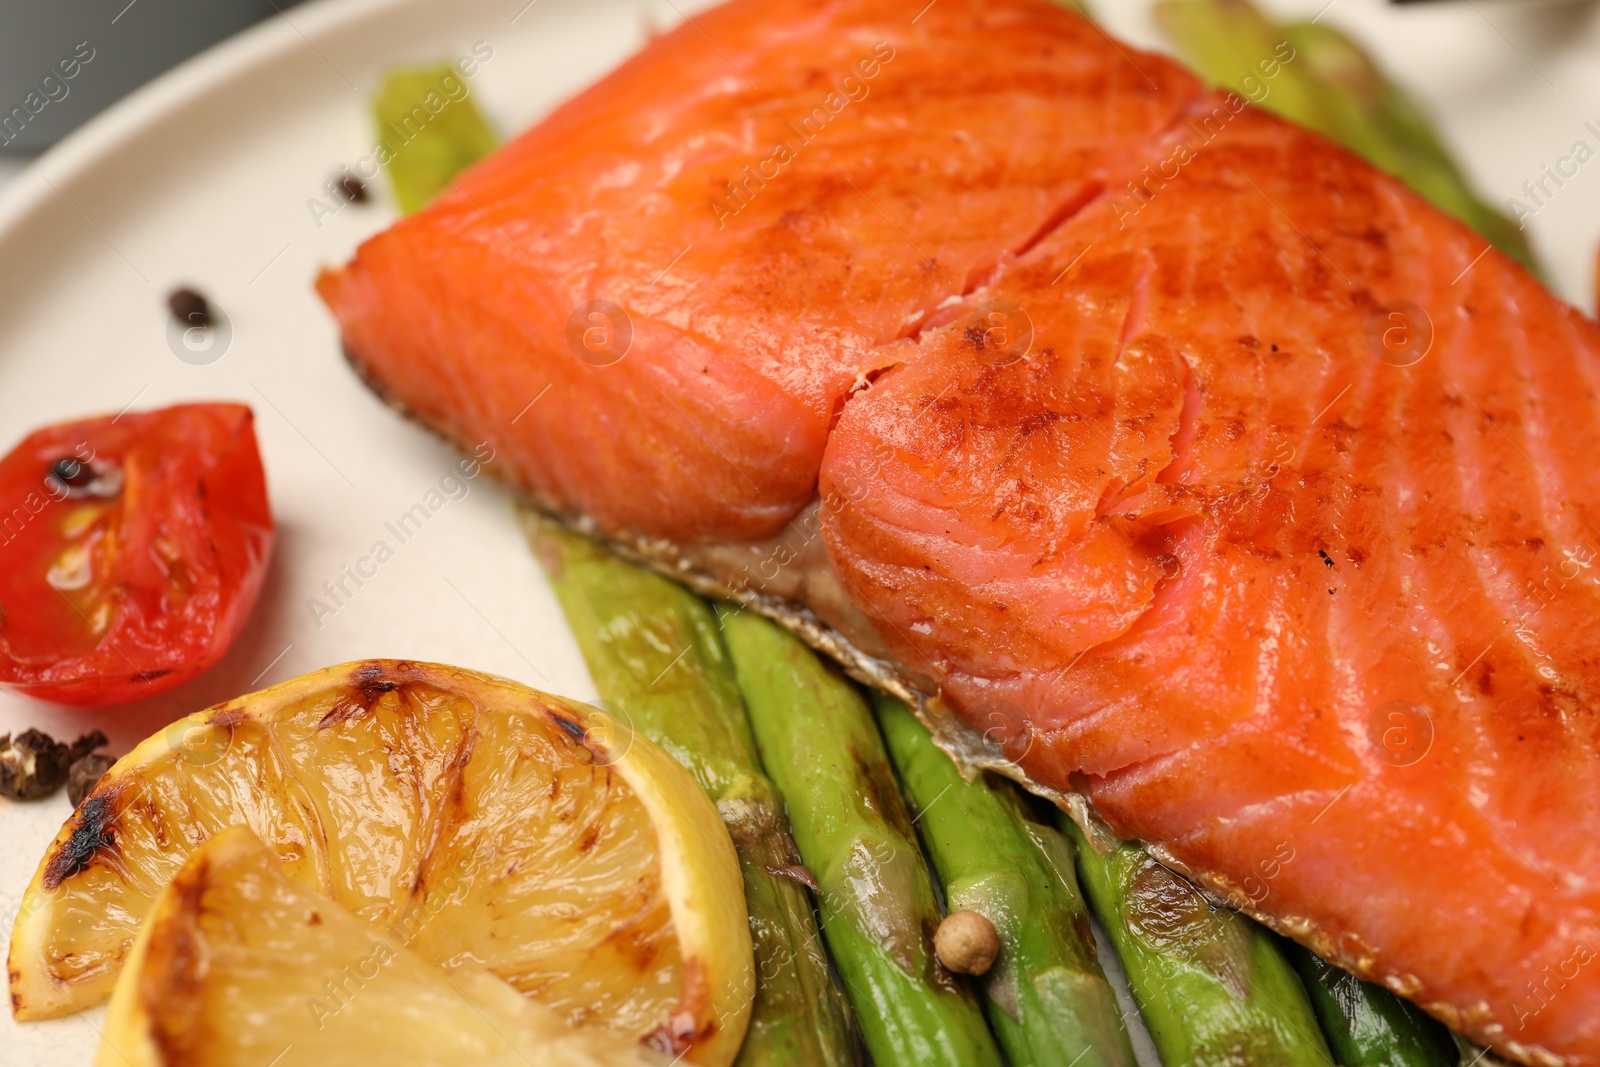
(204,177)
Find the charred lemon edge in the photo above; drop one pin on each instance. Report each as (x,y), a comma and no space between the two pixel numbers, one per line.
(704,884)
(35,994)
(700,872)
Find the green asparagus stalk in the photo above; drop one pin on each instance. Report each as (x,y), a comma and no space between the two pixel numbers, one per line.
(1367,1025)
(1212,986)
(819,744)
(1233,45)
(1047,999)
(657,658)
(429,131)
(1324,80)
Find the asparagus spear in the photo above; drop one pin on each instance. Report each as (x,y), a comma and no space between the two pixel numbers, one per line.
(1367,1025)
(879,914)
(1046,997)
(655,654)
(429,131)
(1312,74)
(1211,985)
(1233,45)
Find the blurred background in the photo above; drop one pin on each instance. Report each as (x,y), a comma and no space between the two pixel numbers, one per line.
(130,42)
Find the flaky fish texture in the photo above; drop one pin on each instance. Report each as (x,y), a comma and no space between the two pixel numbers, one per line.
(1198,470)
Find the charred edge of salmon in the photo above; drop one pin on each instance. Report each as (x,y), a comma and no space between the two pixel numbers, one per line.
(971,752)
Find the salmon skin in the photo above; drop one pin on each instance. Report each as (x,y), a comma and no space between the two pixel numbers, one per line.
(1201,472)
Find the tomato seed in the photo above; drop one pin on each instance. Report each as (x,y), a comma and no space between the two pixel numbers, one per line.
(72,569)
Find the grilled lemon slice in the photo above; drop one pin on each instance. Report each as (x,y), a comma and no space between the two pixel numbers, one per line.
(239,964)
(476,820)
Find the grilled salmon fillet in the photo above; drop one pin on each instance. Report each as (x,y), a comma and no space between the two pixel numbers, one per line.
(1188,463)
(772,204)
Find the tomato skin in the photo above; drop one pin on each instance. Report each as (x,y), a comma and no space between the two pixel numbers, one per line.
(109,596)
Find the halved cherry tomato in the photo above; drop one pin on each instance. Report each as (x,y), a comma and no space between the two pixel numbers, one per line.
(131,551)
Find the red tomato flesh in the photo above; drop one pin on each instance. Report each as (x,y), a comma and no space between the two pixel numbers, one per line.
(131,551)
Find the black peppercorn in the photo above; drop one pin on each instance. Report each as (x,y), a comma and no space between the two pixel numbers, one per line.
(189,307)
(353,188)
(33,764)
